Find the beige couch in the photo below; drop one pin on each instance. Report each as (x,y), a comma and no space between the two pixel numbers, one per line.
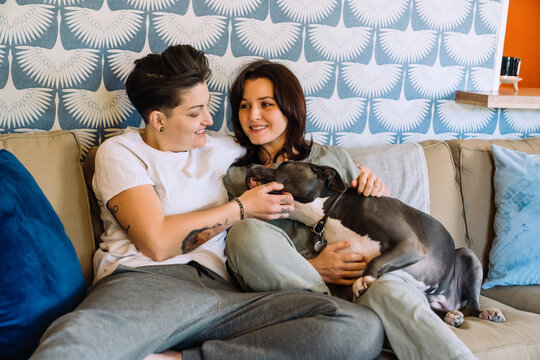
(461,197)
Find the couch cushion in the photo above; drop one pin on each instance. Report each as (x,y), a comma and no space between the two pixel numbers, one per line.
(53,159)
(445,198)
(40,275)
(514,258)
(474,165)
(516,338)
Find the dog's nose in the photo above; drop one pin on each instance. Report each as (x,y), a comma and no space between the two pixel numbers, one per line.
(251,183)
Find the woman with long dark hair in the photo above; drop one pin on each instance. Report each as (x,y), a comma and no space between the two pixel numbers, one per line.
(269,120)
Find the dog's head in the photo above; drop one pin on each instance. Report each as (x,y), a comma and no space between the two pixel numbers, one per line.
(304,181)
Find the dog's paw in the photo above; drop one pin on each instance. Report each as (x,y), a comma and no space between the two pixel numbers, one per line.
(454,318)
(361,284)
(494,315)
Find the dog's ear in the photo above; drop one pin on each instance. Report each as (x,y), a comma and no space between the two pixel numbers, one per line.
(332,177)
(335,182)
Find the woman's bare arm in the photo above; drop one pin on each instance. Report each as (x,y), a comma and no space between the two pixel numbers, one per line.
(139,212)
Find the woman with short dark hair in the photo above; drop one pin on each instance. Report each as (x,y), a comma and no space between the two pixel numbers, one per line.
(161,281)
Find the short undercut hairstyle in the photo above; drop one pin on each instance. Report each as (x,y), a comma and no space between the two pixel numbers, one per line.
(158,80)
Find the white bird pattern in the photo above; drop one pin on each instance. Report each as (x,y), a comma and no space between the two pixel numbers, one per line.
(352,57)
(372,79)
(407,46)
(22,107)
(339,43)
(201,32)
(265,38)
(150,5)
(103,27)
(367,138)
(20,24)
(463,118)
(401,114)
(470,49)
(51,70)
(307,11)
(443,15)
(334,114)
(523,121)
(224,72)
(378,13)
(101,108)
(490,13)
(233,7)
(435,81)
(313,76)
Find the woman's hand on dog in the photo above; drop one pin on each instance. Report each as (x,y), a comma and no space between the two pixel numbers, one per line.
(337,267)
(368,184)
(260,204)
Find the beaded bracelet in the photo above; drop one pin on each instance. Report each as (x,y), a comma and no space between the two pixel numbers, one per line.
(242,213)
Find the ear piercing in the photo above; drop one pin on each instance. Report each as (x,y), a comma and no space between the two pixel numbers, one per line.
(161,129)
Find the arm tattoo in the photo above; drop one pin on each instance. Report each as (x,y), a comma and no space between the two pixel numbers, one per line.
(114,210)
(198,237)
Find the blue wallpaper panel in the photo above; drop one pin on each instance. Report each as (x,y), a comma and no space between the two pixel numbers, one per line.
(373,71)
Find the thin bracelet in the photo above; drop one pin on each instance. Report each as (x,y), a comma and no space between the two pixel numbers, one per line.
(242,213)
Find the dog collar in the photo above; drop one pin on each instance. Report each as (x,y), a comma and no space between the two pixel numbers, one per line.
(318,228)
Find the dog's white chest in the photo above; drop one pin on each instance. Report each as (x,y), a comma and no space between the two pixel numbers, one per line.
(334,231)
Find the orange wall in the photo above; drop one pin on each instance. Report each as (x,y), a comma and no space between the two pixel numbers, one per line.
(523,39)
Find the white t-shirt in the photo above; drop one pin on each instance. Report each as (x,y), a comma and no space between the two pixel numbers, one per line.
(184,181)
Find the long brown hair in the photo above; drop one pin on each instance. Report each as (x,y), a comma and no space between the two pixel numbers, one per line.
(290,99)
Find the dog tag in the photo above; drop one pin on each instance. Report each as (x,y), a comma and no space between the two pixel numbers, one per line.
(319,245)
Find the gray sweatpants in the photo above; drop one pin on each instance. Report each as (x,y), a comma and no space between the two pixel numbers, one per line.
(138,311)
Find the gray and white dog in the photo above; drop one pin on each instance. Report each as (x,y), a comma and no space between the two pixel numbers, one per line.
(392,237)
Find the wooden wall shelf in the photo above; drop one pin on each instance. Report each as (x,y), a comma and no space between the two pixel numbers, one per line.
(525,98)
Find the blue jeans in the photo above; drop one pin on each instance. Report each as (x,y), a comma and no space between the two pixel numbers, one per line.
(262,257)
(137,311)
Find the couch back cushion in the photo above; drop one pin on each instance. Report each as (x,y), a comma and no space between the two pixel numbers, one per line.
(474,172)
(445,198)
(53,159)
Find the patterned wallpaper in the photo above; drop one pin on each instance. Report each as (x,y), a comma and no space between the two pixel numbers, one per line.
(373,71)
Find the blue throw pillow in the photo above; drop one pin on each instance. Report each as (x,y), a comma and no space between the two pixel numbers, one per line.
(514,258)
(40,274)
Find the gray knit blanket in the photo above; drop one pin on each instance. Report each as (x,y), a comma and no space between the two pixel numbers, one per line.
(401,167)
